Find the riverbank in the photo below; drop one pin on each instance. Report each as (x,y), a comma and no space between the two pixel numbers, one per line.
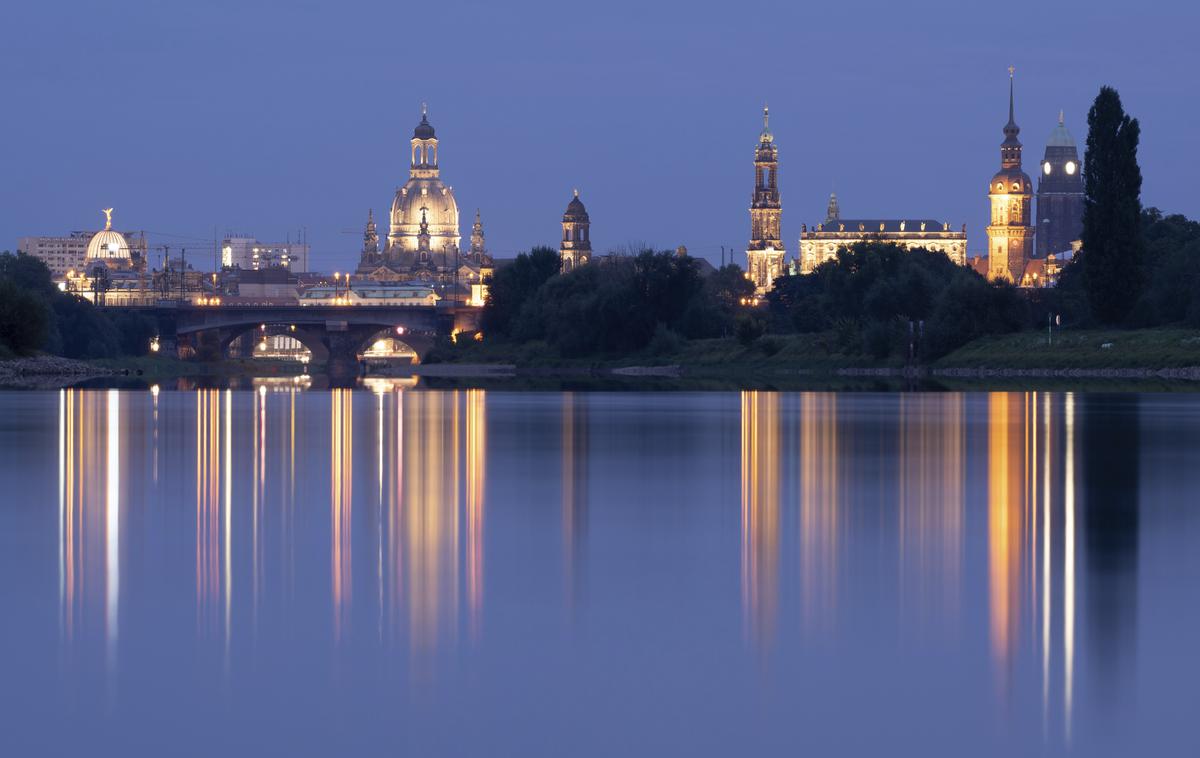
(47,372)
(1134,354)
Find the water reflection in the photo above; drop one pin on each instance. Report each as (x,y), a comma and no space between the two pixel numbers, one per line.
(969,514)
(574,495)
(760,513)
(90,518)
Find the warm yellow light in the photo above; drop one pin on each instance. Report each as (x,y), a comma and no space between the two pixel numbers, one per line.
(479,336)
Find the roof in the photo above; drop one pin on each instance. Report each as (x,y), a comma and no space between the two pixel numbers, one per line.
(883,225)
(424,130)
(1060,137)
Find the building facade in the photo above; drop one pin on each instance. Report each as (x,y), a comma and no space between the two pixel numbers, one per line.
(576,247)
(1059,194)
(822,242)
(423,242)
(248,254)
(1010,192)
(765,253)
(69,254)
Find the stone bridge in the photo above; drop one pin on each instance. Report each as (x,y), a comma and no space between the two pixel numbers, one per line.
(335,335)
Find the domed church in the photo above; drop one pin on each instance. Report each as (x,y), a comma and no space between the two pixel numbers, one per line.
(423,242)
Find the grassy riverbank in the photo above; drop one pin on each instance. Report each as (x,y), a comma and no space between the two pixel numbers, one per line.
(1086,349)
(1150,349)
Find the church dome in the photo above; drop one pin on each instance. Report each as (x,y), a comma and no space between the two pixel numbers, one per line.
(575,210)
(107,245)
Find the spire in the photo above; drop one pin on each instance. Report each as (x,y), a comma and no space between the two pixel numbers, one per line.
(1011,71)
(766,118)
(1060,117)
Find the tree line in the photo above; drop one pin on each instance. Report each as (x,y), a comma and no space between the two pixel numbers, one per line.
(35,316)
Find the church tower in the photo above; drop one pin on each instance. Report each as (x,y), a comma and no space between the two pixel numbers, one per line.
(1010,233)
(576,249)
(764,255)
(833,212)
(370,249)
(1060,194)
(478,249)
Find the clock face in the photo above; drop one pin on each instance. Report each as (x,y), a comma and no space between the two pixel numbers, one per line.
(1070,167)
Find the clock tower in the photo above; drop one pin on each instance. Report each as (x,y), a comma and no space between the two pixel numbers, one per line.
(1060,194)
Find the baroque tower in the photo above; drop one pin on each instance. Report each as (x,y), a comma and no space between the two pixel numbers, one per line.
(576,249)
(1060,194)
(370,236)
(764,255)
(1010,233)
(478,249)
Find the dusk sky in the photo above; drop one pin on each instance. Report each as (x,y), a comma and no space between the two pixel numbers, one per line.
(264,117)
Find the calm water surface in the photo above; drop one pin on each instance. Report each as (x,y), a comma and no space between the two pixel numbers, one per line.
(401,571)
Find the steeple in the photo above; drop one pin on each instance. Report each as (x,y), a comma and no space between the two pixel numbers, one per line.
(765,251)
(832,212)
(1010,149)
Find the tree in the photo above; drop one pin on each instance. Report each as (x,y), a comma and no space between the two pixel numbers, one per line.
(24,318)
(28,273)
(514,285)
(1113,250)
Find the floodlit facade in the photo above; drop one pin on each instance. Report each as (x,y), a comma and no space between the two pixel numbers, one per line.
(765,253)
(371,293)
(822,242)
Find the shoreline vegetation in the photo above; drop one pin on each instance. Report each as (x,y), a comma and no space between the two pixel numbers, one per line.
(1162,357)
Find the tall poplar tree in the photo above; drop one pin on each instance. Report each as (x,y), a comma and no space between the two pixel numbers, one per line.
(1112,240)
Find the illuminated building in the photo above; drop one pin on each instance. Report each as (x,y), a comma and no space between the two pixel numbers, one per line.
(821,243)
(248,254)
(1010,234)
(69,254)
(764,255)
(112,273)
(576,248)
(1060,194)
(423,243)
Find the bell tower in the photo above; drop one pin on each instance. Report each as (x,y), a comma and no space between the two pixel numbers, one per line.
(1060,194)
(1010,233)
(576,248)
(764,254)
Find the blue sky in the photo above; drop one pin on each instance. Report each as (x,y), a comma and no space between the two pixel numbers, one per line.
(265,117)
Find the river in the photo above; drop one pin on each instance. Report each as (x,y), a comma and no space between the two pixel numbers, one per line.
(397,570)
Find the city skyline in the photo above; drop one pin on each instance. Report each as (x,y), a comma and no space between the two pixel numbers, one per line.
(661,156)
